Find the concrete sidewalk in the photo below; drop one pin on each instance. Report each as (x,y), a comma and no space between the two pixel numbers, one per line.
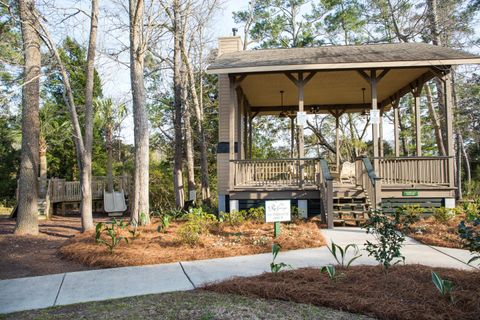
(75,287)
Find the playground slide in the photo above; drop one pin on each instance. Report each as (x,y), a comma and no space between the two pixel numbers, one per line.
(114,202)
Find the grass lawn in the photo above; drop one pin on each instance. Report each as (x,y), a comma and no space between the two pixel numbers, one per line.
(406,293)
(221,240)
(186,305)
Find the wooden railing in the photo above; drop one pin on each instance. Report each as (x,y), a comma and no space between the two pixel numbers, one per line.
(367,178)
(414,170)
(62,190)
(326,192)
(279,173)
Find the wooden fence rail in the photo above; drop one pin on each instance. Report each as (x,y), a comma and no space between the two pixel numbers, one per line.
(414,170)
(279,173)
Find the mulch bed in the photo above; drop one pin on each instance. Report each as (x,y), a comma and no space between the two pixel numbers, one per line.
(430,231)
(153,247)
(26,256)
(406,293)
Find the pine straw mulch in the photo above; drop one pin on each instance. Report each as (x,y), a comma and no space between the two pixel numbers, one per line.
(152,247)
(406,293)
(430,231)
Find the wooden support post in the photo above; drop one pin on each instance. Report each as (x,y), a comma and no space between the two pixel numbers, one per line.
(231,132)
(447,79)
(380,129)
(301,151)
(245,130)
(396,128)
(337,143)
(292,136)
(418,121)
(376,162)
(238,114)
(250,136)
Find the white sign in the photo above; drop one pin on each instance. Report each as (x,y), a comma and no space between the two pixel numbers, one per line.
(301,118)
(375,116)
(277,210)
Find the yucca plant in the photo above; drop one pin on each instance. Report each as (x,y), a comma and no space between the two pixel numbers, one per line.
(444,286)
(330,271)
(276,267)
(340,253)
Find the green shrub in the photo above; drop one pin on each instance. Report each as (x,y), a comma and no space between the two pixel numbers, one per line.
(386,248)
(201,218)
(189,233)
(443,215)
(470,234)
(112,232)
(409,214)
(234,218)
(256,214)
(471,210)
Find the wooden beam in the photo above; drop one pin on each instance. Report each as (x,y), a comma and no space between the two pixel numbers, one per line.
(448,92)
(337,142)
(382,74)
(301,151)
(309,108)
(292,78)
(396,127)
(309,77)
(380,129)
(364,75)
(408,88)
(418,123)
(231,131)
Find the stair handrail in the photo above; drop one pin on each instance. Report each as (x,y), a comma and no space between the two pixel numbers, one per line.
(326,187)
(367,178)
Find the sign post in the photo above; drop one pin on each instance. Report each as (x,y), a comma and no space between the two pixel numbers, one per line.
(277,211)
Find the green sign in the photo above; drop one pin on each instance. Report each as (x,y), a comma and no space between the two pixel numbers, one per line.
(410,193)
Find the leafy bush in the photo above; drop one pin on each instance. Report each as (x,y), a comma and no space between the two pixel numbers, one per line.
(189,233)
(234,218)
(471,210)
(386,249)
(203,219)
(444,286)
(336,249)
(255,214)
(443,215)
(276,267)
(409,214)
(112,232)
(470,234)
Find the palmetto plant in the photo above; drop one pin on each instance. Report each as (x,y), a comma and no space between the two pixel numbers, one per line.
(277,267)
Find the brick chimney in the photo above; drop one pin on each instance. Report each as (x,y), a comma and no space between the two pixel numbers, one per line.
(229,44)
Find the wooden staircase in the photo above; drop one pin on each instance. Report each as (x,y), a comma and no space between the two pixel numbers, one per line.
(350,204)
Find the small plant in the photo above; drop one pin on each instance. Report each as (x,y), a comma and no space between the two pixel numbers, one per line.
(112,232)
(189,233)
(234,218)
(164,223)
(340,253)
(386,249)
(470,234)
(330,271)
(443,215)
(444,286)
(276,267)
(255,214)
(409,214)
(202,219)
(134,230)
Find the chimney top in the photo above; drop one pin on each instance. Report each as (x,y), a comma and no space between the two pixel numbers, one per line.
(229,44)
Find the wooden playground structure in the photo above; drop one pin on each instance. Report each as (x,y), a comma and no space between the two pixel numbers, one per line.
(55,195)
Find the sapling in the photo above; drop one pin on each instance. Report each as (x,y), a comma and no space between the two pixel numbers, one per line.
(444,286)
(276,267)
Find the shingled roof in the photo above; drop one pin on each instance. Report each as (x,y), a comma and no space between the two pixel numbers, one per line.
(340,57)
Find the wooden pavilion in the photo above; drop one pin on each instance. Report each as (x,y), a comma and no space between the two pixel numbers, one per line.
(330,80)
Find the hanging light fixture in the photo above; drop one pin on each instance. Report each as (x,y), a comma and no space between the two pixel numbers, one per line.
(283,113)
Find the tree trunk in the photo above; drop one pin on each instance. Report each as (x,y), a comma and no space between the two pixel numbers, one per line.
(435,121)
(86,163)
(140,202)
(177,91)
(189,147)
(205,184)
(27,219)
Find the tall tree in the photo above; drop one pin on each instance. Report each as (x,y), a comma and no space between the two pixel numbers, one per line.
(27,220)
(83,149)
(138,46)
